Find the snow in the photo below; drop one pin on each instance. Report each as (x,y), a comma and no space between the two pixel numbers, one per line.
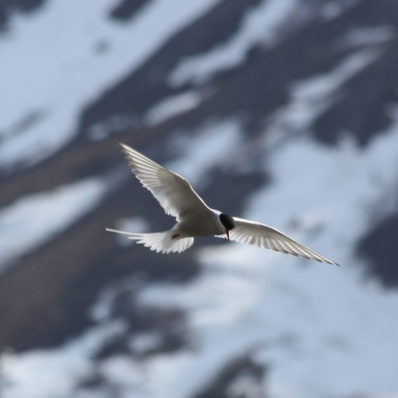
(194,164)
(116,123)
(324,330)
(369,36)
(53,54)
(312,96)
(55,372)
(262,24)
(320,329)
(172,106)
(143,342)
(36,218)
(210,145)
(246,386)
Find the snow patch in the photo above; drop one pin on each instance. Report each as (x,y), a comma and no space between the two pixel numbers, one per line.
(172,106)
(113,124)
(209,146)
(55,373)
(58,70)
(369,36)
(310,97)
(144,342)
(36,218)
(262,24)
(323,329)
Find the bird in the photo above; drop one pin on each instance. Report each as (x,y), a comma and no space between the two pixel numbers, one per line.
(196,219)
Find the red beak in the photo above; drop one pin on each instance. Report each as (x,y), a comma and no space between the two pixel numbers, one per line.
(227,232)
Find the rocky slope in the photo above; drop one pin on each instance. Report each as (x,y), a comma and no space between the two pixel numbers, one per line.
(280,110)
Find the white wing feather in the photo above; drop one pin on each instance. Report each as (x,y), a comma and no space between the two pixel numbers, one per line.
(174,193)
(262,235)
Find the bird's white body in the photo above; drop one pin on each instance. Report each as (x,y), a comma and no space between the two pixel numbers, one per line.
(205,223)
(195,219)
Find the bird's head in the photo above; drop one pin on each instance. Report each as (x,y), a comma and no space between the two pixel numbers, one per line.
(228,222)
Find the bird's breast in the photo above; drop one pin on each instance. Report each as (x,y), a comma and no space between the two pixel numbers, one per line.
(200,225)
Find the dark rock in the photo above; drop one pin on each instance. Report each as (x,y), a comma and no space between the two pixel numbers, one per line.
(8,7)
(126,9)
(378,246)
(222,384)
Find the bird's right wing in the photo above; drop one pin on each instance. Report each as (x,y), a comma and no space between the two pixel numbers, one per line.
(174,193)
(262,235)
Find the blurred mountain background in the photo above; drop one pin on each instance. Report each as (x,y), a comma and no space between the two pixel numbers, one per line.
(284,111)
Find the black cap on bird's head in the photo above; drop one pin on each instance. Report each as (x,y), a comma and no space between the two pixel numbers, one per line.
(228,222)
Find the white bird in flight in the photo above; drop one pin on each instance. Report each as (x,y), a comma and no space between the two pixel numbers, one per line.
(195,219)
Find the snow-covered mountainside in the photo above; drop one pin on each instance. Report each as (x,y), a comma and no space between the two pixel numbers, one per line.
(284,111)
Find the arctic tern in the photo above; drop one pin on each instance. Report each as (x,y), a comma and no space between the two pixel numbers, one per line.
(195,219)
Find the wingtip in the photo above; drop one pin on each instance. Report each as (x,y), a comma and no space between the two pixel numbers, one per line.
(333,263)
(123,146)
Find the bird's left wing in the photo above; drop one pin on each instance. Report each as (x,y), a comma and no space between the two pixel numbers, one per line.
(174,193)
(262,235)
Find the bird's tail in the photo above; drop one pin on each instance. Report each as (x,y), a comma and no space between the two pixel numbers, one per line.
(163,242)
